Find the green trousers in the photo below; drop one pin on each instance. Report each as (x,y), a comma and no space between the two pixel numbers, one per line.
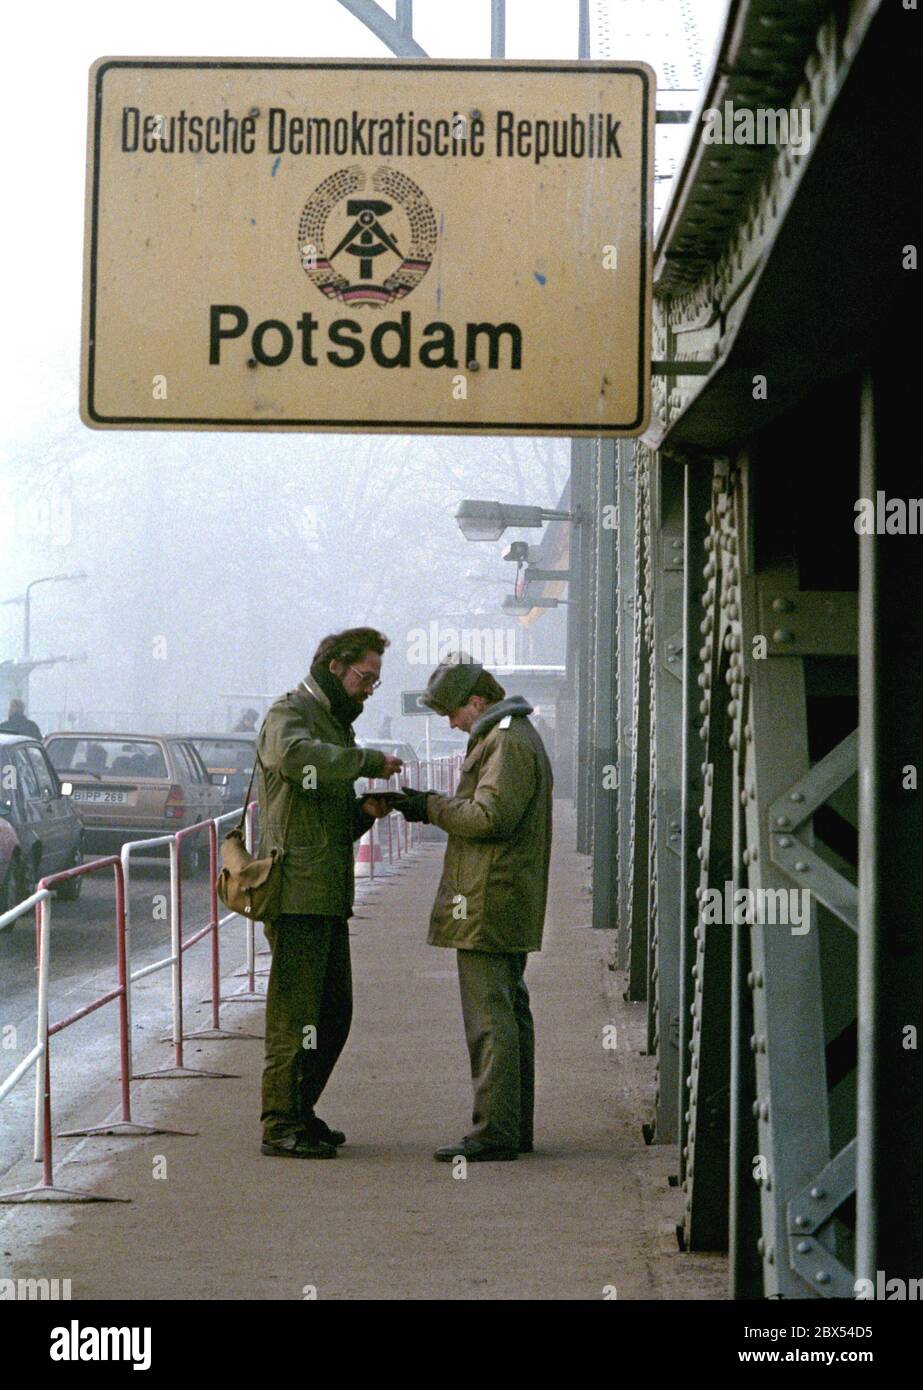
(308,1014)
(501,1045)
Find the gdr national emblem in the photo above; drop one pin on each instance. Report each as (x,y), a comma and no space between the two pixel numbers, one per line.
(367,241)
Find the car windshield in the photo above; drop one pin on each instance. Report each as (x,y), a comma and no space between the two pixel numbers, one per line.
(107,757)
(224,754)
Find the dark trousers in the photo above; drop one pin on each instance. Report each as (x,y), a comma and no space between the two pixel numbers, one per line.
(310,988)
(501,1045)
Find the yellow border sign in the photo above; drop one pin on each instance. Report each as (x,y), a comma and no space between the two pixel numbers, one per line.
(351,245)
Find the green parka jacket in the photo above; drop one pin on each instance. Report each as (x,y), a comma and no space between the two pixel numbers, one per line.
(308,756)
(494,884)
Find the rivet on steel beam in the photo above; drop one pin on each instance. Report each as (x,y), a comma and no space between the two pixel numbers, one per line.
(746,856)
(761,1043)
(818,1194)
(822,1277)
(801,867)
(474,365)
(796,796)
(761,1246)
(803,1247)
(756,1107)
(783,634)
(750,985)
(785,841)
(782,605)
(801,1222)
(764,1110)
(759,979)
(771,1255)
(767,1183)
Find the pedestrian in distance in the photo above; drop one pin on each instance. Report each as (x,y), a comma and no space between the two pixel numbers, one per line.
(17,723)
(490,904)
(307,764)
(246,724)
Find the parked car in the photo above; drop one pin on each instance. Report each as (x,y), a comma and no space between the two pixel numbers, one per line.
(45,820)
(136,786)
(230,756)
(9,849)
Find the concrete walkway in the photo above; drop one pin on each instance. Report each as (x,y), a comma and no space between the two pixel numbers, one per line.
(590,1211)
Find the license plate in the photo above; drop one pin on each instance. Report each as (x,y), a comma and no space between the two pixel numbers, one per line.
(97,794)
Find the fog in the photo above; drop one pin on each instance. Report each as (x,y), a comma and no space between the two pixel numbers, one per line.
(210,564)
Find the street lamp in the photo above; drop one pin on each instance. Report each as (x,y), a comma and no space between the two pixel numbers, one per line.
(486,521)
(519,607)
(27,605)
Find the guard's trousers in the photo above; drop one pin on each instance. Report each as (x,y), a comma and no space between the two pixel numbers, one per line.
(501,1045)
(308,1013)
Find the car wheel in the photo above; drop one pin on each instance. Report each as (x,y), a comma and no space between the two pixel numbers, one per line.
(194,858)
(8,887)
(70,890)
(22,879)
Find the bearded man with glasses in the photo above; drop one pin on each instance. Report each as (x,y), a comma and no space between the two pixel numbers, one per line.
(307,764)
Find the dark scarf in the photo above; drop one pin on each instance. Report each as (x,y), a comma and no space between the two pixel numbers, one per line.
(343,708)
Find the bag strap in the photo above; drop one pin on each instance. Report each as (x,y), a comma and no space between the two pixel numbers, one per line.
(243,814)
(291,799)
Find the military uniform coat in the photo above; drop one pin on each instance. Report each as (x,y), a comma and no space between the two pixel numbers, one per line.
(309,757)
(494,885)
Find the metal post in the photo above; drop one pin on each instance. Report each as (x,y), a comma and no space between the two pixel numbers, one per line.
(498,28)
(666,560)
(889,1227)
(697,496)
(583,32)
(604,789)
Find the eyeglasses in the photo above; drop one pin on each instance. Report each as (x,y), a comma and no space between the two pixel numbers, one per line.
(369,680)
